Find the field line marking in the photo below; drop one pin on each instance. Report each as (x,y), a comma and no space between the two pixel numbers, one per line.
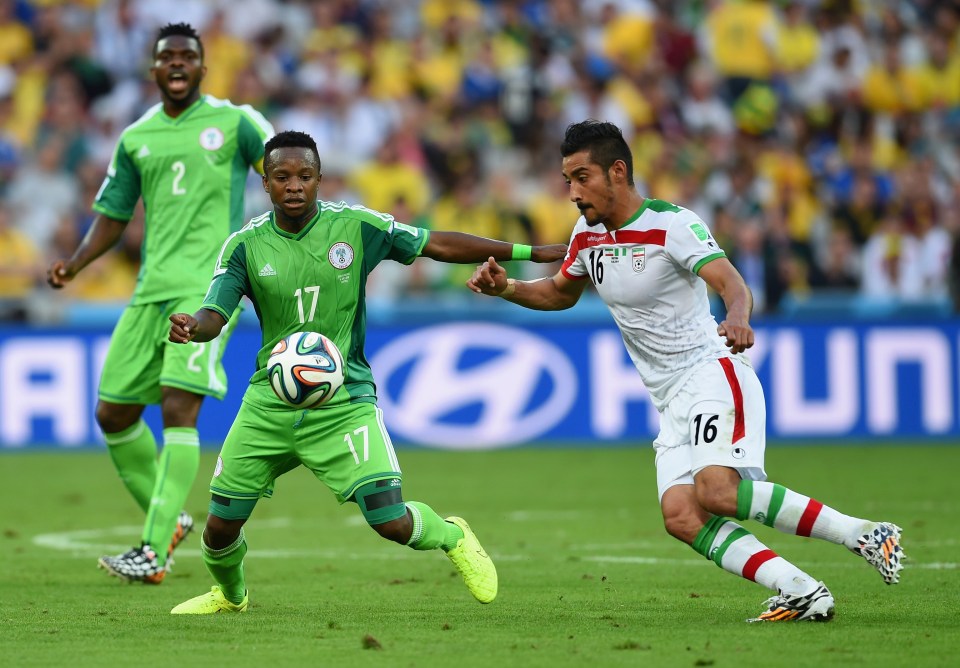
(84,543)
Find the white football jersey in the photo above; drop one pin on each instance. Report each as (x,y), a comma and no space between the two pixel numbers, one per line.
(646,273)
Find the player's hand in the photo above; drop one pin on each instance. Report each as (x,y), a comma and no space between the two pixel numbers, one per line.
(739,336)
(58,275)
(550,253)
(488,279)
(184,328)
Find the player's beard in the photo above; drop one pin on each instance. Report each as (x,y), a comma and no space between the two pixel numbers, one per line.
(601,219)
(596,221)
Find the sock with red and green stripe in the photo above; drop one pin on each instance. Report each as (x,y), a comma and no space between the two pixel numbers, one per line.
(737,551)
(789,512)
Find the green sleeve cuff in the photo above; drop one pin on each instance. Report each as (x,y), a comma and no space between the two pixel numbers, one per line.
(109,213)
(216,309)
(710,258)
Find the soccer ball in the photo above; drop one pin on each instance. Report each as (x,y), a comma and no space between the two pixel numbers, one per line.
(305,369)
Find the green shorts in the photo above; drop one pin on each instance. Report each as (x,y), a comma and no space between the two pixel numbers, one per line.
(141,359)
(345,446)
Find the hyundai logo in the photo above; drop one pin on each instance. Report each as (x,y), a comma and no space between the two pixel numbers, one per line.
(473,385)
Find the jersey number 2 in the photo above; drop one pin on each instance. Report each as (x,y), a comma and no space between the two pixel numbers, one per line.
(178,169)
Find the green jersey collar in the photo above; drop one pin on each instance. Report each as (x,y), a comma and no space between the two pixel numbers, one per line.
(638,213)
(186,112)
(302,233)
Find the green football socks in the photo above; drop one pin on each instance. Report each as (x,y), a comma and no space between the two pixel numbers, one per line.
(134,454)
(431,531)
(226,567)
(178,467)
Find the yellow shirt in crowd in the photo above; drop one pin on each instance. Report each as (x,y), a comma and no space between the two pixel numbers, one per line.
(741,35)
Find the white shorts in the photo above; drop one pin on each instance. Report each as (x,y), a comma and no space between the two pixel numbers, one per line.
(717,418)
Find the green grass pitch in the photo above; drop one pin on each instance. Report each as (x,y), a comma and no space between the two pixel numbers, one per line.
(588,577)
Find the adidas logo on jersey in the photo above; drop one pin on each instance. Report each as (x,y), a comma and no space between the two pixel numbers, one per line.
(143,152)
(268,270)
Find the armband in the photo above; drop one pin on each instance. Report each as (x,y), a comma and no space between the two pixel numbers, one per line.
(521,252)
(510,289)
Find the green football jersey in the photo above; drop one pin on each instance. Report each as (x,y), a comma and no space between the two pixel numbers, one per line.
(313,281)
(191,172)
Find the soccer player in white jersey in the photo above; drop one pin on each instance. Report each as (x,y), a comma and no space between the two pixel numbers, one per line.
(651,263)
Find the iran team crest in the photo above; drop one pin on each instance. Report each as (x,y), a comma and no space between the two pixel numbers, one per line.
(340,255)
(212,139)
(639,258)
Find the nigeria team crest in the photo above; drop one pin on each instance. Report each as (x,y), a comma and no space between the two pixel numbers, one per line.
(212,139)
(639,258)
(340,255)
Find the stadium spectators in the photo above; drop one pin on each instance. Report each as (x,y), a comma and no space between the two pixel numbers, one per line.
(20,267)
(813,133)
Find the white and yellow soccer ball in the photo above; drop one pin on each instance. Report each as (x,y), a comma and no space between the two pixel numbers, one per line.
(305,369)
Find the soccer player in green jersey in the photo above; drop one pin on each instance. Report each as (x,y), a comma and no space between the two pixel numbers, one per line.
(188,158)
(304,266)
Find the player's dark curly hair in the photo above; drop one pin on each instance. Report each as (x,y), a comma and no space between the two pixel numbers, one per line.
(289,139)
(182,29)
(604,141)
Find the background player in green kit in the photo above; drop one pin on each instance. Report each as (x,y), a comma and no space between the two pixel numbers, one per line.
(304,266)
(188,158)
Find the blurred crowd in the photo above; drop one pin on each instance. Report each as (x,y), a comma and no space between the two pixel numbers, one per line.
(820,140)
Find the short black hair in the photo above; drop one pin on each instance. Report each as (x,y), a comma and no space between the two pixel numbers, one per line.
(604,141)
(289,139)
(182,29)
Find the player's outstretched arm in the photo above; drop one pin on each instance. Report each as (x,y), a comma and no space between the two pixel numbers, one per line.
(101,237)
(204,325)
(727,282)
(459,247)
(546,294)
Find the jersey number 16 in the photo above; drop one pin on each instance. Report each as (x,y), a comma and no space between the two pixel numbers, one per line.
(596,267)
(705,428)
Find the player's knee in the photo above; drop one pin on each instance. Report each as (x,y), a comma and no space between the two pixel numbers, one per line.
(220,532)
(717,499)
(180,408)
(114,418)
(682,516)
(716,490)
(682,526)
